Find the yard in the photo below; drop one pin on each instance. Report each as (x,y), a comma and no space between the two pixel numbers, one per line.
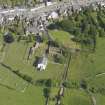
(32,96)
(76,97)
(13,88)
(100,99)
(64,38)
(84,66)
(88,65)
(91,68)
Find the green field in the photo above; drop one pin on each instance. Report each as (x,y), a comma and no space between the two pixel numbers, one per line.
(83,66)
(87,65)
(14,89)
(32,96)
(76,97)
(100,99)
(63,38)
(83,34)
(91,68)
(16,59)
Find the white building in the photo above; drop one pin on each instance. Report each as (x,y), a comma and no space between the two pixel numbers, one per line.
(49,3)
(53,15)
(42,63)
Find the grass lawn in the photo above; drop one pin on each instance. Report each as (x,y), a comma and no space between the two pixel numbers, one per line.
(32,96)
(16,60)
(87,66)
(76,97)
(98,82)
(11,85)
(54,92)
(100,99)
(90,67)
(83,66)
(64,38)
(10,80)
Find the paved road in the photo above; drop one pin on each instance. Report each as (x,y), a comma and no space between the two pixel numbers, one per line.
(7,15)
(42,8)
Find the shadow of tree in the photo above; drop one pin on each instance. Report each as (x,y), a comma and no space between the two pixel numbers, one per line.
(47,90)
(36,61)
(46,94)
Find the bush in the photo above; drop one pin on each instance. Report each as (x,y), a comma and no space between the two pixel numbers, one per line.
(24,76)
(59,59)
(8,38)
(83,84)
(44,82)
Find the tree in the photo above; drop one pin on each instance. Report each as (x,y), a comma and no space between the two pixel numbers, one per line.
(93,31)
(68,25)
(8,38)
(48,83)
(101,32)
(46,92)
(83,84)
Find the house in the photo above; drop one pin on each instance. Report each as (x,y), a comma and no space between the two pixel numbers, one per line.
(42,63)
(11,18)
(47,2)
(38,38)
(41,27)
(53,15)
